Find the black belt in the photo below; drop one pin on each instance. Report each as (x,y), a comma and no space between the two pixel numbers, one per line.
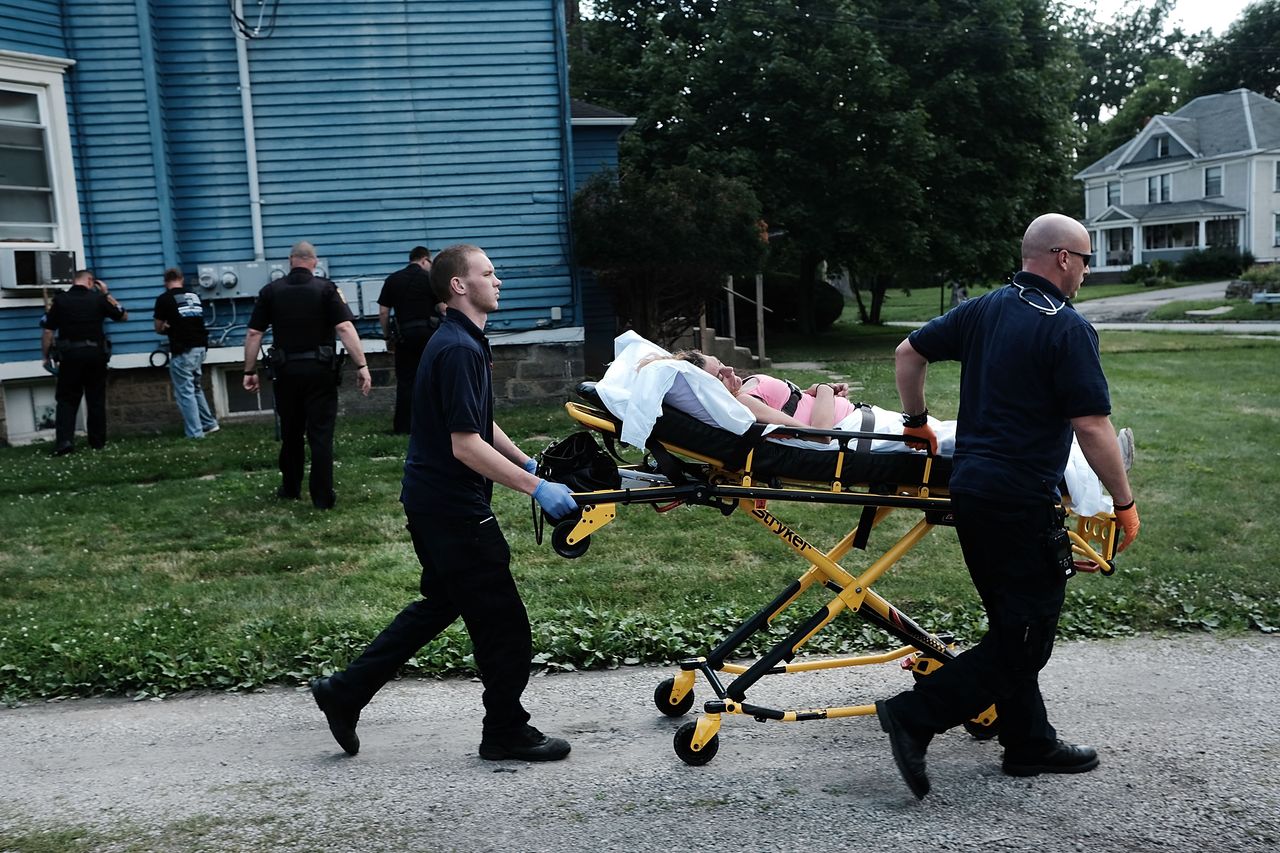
(306,355)
(413,325)
(78,344)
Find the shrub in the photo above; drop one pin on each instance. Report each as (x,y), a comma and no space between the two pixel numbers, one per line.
(1214,262)
(1263,277)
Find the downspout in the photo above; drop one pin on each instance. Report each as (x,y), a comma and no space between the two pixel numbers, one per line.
(250,140)
(159,162)
(566,147)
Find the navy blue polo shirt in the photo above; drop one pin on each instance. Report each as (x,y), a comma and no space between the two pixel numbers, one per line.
(1024,374)
(453,392)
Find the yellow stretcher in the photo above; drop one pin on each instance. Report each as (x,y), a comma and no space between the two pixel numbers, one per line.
(689,462)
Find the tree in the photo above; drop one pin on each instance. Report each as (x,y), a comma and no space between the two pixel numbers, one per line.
(664,242)
(900,139)
(1129,55)
(1247,55)
(995,81)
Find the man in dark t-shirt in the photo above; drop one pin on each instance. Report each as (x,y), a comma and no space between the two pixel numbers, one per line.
(407,293)
(456,453)
(180,315)
(76,316)
(1030,376)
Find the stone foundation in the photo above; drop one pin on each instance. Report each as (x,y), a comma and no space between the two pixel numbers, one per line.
(140,401)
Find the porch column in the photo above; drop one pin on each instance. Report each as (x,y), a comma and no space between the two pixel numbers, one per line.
(1137,243)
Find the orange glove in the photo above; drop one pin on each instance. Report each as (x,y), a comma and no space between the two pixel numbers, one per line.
(1127,516)
(925,438)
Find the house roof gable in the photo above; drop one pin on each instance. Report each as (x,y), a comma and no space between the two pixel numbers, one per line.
(1236,122)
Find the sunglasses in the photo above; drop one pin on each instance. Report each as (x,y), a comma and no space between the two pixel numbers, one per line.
(1086,257)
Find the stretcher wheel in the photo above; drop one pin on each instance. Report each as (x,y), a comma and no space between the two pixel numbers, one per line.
(662,698)
(684,746)
(560,537)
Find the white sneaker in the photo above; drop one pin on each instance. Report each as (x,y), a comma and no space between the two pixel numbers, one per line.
(211,430)
(1125,440)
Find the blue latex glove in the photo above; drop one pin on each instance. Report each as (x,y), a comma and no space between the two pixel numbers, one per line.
(555,498)
(531,465)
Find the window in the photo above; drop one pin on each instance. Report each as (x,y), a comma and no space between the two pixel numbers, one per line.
(1162,146)
(1178,235)
(27,211)
(1158,187)
(38,205)
(1222,233)
(1212,180)
(1275,231)
(1113,192)
(1278,176)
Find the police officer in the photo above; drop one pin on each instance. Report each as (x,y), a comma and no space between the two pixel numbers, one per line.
(304,312)
(76,316)
(417,315)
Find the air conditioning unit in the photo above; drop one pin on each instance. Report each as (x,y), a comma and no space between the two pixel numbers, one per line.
(26,269)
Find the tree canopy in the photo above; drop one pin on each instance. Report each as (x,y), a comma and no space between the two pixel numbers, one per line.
(906,140)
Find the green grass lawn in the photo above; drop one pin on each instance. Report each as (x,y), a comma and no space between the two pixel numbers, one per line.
(160,565)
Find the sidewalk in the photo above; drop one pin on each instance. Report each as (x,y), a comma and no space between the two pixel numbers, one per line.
(1186,729)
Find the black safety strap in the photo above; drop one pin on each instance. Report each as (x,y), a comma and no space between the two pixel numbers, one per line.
(868,425)
(793,402)
(863,532)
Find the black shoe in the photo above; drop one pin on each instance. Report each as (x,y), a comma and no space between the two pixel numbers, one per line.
(285,495)
(342,722)
(527,745)
(1059,758)
(327,503)
(908,750)
(63,450)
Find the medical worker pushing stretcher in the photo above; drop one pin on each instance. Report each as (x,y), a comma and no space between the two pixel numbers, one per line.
(1030,376)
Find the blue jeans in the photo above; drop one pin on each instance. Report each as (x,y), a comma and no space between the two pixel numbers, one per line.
(188,392)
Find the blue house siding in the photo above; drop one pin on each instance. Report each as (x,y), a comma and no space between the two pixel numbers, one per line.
(32,26)
(594,149)
(379,126)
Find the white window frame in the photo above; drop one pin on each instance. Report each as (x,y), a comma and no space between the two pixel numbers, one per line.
(44,76)
(1221,180)
(1119,185)
(1275,229)
(1160,186)
(1162,147)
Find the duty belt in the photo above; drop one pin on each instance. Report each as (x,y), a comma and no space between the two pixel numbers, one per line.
(78,344)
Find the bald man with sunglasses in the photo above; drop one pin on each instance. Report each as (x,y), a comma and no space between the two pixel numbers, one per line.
(1031,376)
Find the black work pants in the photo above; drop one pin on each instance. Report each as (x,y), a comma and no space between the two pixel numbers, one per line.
(307,403)
(82,372)
(466,571)
(408,354)
(1022,591)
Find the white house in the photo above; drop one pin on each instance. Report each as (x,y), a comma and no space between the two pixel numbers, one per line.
(1207,175)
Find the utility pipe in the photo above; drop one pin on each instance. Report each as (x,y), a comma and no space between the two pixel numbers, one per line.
(250,141)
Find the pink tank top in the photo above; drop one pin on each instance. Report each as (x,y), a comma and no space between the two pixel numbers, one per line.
(775,393)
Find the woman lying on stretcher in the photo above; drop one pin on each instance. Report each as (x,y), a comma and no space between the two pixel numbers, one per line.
(772,400)
(826,406)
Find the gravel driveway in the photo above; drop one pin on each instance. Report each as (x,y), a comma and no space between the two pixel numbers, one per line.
(1186,728)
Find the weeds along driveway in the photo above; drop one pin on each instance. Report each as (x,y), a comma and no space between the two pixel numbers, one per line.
(1185,727)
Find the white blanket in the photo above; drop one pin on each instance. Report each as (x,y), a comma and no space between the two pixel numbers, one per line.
(636,397)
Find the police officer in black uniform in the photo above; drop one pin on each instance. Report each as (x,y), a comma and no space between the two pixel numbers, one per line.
(76,316)
(304,312)
(417,315)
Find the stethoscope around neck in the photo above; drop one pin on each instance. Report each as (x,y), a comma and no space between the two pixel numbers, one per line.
(1047,308)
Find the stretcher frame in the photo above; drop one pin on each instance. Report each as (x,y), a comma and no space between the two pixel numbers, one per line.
(699,477)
